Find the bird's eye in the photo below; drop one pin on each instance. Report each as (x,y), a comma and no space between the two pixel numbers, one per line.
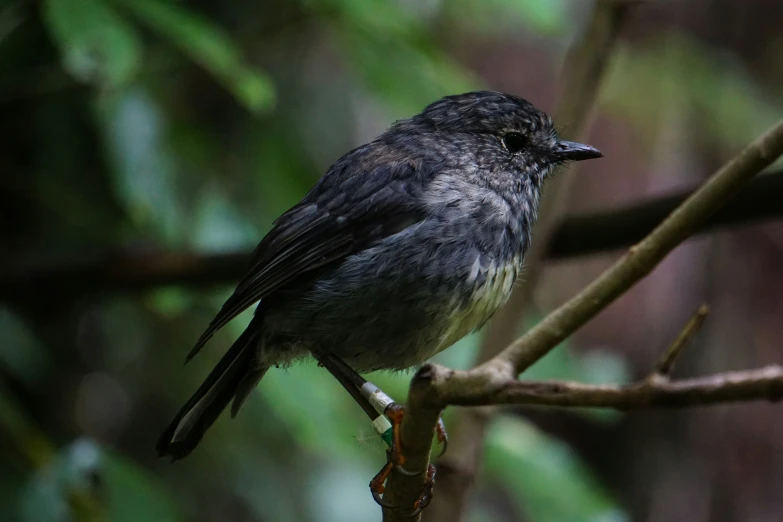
(514,142)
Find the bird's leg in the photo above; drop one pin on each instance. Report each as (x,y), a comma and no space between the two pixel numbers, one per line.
(350,380)
(386,416)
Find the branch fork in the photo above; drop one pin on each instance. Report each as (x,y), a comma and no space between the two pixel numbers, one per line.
(495,382)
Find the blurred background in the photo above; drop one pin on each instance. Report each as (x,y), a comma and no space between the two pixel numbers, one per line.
(143,140)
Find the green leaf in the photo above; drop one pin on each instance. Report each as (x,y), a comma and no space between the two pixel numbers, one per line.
(209,46)
(393,53)
(541,471)
(143,168)
(97,45)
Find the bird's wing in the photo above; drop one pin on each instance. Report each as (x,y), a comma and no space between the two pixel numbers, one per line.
(344,214)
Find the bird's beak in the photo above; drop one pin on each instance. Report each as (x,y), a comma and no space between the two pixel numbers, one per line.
(573,151)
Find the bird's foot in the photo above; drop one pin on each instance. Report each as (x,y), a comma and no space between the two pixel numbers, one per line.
(396,460)
(394,457)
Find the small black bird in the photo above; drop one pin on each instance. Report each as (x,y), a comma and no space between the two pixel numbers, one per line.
(406,245)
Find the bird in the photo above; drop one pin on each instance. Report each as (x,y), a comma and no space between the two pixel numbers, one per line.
(405,245)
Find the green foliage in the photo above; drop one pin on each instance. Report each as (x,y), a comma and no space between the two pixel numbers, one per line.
(406,76)
(389,48)
(490,16)
(218,227)
(674,72)
(64,489)
(85,484)
(143,169)
(134,493)
(208,46)
(97,45)
(548,480)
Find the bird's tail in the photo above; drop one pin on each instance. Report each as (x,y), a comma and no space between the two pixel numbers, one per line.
(234,377)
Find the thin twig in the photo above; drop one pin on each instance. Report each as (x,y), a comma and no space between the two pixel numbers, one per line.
(666,363)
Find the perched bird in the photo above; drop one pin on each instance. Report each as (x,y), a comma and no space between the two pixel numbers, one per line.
(403,247)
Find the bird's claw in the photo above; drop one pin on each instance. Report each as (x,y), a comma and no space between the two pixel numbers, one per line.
(377,484)
(379,500)
(442,436)
(395,460)
(426,493)
(376,496)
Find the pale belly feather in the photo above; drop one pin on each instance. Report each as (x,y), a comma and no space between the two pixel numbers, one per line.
(469,315)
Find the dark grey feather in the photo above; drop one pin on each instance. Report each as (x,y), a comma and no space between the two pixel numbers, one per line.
(404,246)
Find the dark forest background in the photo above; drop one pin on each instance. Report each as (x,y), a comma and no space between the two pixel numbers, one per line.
(141,137)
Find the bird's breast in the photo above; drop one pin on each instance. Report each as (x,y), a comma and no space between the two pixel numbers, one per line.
(486,289)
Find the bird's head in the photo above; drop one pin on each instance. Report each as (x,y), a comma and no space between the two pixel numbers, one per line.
(506,133)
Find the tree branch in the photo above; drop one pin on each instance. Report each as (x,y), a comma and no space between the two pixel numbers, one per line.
(495,381)
(666,363)
(655,391)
